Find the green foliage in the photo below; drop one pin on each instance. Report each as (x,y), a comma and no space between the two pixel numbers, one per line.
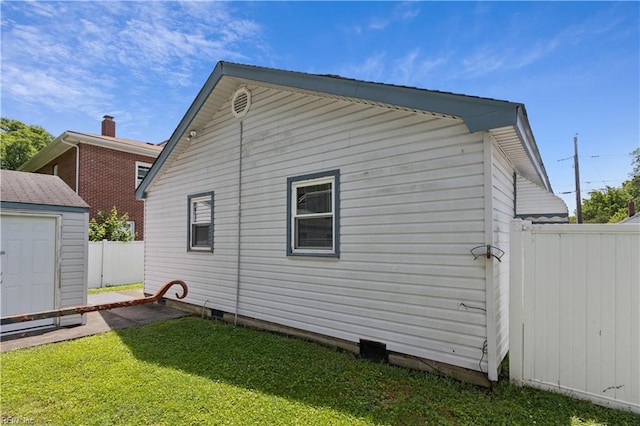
(19,142)
(610,204)
(193,371)
(110,226)
(603,205)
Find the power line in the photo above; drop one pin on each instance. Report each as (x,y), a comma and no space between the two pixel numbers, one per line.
(597,156)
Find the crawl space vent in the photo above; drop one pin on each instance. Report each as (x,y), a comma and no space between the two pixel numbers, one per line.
(241,102)
(374,351)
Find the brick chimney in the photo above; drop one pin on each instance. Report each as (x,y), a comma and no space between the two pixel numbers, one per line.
(108,126)
(631,208)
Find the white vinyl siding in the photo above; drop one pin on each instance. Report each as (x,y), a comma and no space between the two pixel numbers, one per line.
(208,162)
(73,263)
(503,212)
(411,207)
(534,202)
(71,253)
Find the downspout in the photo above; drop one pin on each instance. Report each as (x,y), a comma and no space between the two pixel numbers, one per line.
(77,161)
(515,194)
(235,319)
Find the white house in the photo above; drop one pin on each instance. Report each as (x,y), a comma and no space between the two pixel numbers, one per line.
(44,248)
(353,212)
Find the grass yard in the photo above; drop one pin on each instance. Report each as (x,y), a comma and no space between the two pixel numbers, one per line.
(115,288)
(201,372)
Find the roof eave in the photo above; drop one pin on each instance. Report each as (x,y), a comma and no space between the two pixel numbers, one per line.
(523,129)
(77,137)
(479,114)
(184,124)
(56,148)
(68,139)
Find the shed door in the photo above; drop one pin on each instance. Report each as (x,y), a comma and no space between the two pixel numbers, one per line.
(27,268)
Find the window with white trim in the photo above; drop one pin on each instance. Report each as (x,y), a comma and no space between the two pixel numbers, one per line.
(313,220)
(141,171)
(200,226)
(131,227)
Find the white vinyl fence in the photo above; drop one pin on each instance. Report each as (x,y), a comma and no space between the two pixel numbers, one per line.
(115,263)
(575,310)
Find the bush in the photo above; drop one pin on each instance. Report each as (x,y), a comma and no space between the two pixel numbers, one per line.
(110,226)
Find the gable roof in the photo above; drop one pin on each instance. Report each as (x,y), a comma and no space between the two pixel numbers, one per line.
(507,121)
(20,188)
(631,219)
(69,139)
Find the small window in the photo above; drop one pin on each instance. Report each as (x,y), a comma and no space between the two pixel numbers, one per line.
(141,171)
(313,221)
(200,227)
(131,227)
(55,170)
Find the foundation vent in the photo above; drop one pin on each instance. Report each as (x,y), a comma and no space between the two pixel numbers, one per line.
(374,351)
(241,102)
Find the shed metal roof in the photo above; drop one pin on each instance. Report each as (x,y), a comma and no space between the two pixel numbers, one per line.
(38,190)
(507,121)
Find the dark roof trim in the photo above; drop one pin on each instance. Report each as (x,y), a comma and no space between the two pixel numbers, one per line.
(479,114)
(545,215)
(41,207)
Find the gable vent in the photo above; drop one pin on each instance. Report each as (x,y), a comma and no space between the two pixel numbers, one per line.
(241,102)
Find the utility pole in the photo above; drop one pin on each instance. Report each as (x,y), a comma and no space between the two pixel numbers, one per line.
(577,169)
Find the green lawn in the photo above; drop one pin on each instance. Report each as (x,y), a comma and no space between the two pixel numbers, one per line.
(115,288)
(203,372)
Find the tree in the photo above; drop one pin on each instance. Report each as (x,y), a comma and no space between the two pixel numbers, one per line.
(110,226)
(19,142)
(610,205)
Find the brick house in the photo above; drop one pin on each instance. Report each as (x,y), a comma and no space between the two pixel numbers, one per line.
(103,169)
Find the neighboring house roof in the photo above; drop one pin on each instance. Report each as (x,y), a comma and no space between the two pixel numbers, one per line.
(507,121)
(20,188)
(69,139)
(632,219)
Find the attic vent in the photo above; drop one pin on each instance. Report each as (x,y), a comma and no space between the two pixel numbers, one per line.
(241,102)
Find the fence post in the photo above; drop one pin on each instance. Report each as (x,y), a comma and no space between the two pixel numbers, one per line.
(102,263)
(516,326)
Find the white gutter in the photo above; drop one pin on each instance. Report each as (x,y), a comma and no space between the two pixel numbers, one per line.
(77,160)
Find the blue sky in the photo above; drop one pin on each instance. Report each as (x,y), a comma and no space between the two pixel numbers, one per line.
(574,65)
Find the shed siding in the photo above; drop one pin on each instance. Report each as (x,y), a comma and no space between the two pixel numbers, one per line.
(72,252)
(503,194)
(73,263)
(411,208)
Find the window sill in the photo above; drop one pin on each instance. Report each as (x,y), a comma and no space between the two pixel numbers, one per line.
(203,250)
(313,254)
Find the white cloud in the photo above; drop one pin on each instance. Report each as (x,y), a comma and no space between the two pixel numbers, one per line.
(75,55)
(509,55)
(410,69)
(372,69)
(413,69)
(406,11)
(402,12)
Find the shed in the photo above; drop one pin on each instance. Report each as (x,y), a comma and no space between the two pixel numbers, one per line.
(44,248)
(350,212)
